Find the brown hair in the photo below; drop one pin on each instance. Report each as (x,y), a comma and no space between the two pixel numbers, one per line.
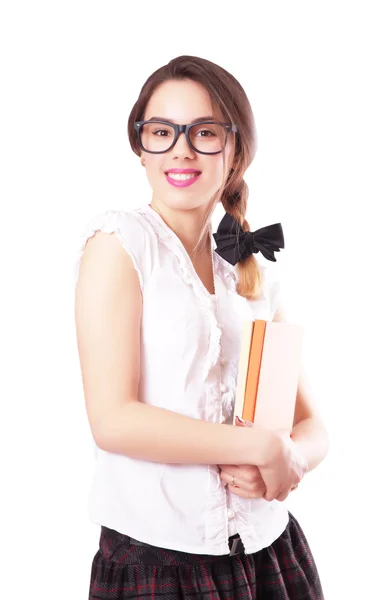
(230,103)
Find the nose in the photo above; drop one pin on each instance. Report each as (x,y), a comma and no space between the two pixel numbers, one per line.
(182,149)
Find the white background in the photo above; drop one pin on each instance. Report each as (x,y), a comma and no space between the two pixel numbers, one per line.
(317,75)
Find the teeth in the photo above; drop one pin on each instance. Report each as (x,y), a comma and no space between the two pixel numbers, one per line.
(182,176)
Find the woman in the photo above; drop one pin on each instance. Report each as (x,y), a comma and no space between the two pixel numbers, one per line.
(190,506)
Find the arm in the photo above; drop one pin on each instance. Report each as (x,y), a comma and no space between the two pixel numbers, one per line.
(156,434)
(108,311)
(308,433)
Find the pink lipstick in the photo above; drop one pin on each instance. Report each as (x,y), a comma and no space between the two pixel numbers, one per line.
(182,182)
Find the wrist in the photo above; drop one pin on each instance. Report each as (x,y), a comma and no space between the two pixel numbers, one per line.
(301,452)
(260,445)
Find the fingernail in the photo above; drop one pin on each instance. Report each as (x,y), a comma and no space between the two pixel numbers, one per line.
(240,420)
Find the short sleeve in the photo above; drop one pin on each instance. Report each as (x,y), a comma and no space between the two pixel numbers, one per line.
(129,231)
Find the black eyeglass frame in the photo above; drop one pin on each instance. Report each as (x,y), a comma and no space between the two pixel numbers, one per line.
(183,129)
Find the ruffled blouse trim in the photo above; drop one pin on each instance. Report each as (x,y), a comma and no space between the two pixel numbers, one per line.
(206,300)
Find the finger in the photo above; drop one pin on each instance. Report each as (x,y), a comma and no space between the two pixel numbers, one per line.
(243,493)
(284,495)
(271,495)
(258,491)
(242,423)
(240,492)
(232,469)
(281,497)
(254,489)
(248,473)
(227,478)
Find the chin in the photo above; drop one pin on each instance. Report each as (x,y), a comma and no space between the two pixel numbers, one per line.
(186,201)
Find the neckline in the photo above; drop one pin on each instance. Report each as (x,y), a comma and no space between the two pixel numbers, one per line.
(170,231)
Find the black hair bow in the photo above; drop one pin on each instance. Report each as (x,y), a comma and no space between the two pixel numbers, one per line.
(234,244)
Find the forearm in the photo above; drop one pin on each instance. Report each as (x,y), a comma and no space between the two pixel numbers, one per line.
(312,439)
(155,434)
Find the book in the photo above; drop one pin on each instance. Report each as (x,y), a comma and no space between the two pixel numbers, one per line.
(255,358)
(268,373)
(246,340)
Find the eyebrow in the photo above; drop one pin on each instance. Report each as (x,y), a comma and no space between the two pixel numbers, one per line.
(207,118)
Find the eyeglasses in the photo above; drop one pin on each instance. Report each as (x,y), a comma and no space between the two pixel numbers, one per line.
(205,137)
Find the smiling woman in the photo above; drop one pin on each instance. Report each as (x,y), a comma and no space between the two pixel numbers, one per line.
(190,141)
(160,304)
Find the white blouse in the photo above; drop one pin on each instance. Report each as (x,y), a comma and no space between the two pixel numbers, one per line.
(190,346)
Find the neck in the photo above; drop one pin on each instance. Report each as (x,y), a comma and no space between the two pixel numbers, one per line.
(186,224)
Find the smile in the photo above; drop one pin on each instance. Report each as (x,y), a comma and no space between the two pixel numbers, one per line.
(181,176)
(182,179)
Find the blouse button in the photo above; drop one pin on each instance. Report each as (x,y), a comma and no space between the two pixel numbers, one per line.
(223,387)
(223,362)
(230,513)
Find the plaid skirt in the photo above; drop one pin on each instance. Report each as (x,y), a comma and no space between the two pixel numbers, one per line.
(124,568)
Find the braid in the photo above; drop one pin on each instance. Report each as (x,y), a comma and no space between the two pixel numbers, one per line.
(234,200)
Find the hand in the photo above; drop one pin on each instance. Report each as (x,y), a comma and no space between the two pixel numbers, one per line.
(283,468)
(248,482)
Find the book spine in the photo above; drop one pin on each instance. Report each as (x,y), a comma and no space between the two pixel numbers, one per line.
(255,358)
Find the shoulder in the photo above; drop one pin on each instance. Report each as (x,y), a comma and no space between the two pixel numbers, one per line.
(115,221)
(131,233)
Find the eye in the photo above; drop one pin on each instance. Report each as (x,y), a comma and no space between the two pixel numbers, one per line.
(207,133)
(164,132)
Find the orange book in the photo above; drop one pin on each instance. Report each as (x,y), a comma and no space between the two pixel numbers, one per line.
(252,381)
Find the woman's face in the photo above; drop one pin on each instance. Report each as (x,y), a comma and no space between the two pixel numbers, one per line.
(184,102)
